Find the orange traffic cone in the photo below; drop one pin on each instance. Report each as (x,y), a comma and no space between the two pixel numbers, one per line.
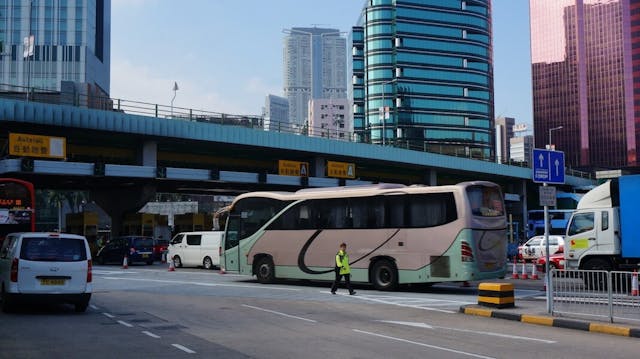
(172,267)
(125,262)
(634,284)
(514,275)
(534,272)
(524,271)
(222,271)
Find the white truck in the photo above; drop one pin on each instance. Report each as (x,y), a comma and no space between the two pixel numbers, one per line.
(604,231)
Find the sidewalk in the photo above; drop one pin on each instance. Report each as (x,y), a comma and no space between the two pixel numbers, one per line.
(534,311)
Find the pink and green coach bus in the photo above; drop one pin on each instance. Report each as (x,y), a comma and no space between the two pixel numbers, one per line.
(395,234)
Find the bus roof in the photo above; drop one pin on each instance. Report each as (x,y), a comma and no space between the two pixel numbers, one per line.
(357,191)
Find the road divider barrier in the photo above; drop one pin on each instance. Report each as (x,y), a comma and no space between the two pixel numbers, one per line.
(496,295)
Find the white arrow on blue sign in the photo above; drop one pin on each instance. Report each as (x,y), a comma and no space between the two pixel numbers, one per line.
(548,166)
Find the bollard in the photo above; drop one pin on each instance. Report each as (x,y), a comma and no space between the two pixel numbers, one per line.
(496,295)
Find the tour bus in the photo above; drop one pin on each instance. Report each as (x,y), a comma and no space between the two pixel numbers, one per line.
(395,234)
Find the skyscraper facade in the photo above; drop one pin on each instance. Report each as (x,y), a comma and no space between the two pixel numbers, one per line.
(586,79)
(315,67)
(426,68)
(276,114)
(504,133)
(71,42)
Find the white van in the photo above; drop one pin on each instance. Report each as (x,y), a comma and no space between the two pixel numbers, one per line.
(193,249)
(46,267)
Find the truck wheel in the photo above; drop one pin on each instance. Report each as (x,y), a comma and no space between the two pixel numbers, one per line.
(207,263)
(265,270)
(384,275)
(596,281)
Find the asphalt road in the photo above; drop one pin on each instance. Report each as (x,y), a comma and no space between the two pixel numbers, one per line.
(149,312)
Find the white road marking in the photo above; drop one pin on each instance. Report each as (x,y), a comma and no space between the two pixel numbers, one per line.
(94,307)
(108,315)
(202,283)
(151,334)
(107,272)
(399,301)
(424,344)
(493,334)
(279,313)
(184,349)
(125,324)
(178,270)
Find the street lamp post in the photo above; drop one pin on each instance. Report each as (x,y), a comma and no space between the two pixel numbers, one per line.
(551,130)
(175,92)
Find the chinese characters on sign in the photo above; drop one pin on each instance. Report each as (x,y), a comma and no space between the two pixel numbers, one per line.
(26,145)
(293,168)
(341,169)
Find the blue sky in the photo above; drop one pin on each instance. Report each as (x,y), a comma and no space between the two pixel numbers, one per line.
(226,55)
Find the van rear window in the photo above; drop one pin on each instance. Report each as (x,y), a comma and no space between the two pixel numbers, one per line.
(45,249)
(143,242)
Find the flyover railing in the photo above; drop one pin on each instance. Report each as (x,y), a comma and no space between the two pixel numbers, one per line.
(593,293)
(89,97)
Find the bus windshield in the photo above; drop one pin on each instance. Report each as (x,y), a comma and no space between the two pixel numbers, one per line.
(485,201)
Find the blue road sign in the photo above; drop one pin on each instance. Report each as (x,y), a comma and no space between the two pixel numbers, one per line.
(548,166)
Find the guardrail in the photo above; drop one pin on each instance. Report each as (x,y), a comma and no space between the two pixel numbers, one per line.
(336,132)
(589,293)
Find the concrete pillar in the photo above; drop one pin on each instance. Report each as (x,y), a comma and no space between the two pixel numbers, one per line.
(118,201)
(319,167)
(431,177)
(148,155)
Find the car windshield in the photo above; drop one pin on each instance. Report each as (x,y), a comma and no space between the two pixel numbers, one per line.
(143,242)
(48,249)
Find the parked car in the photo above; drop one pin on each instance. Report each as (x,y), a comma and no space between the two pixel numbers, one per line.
(556,261)
(193,249)
(45,267)
(136,248)
(535,247)
(160,246)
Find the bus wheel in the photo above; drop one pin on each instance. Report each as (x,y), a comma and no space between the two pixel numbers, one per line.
(384,275)
(265,271)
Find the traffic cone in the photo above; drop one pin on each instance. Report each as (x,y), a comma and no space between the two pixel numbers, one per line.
(634,284)
(222,271)
(172,267)
(514,275)
(534,272)
(125,262)
(524,271)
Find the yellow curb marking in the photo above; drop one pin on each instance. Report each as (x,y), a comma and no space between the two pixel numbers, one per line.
(478,311)
(535,319)
(609,329)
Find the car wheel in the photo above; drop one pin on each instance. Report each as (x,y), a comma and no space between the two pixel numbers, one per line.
(81,307)
(384,275)
(177,262)
(265,270)
(7,304)
(207,263)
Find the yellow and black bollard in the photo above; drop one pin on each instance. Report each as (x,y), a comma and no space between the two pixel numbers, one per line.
(496,295)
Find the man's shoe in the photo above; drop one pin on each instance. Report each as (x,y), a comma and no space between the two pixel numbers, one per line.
(352,292)
(332,292)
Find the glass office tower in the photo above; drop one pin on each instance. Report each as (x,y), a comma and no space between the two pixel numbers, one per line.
(425,67)
(72,40)
(586,79)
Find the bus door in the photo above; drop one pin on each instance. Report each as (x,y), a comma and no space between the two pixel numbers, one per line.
(231,243)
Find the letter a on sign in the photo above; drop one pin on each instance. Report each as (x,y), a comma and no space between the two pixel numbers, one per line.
(350,173)
(303,170)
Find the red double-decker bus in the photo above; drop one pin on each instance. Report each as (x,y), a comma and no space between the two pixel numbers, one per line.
(17,212)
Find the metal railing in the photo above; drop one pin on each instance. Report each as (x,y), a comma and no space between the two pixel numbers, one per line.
(600,294)
(97,101)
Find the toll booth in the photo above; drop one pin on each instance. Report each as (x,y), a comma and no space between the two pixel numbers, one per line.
(146,224)
(192,222)
(85,224)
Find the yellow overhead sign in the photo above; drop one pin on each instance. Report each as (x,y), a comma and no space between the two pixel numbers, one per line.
(341,169)
(293,168)
(21,144)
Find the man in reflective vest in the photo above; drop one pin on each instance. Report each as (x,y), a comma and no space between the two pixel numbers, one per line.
(342,269)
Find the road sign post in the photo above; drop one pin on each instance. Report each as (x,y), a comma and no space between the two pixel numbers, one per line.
(548,167)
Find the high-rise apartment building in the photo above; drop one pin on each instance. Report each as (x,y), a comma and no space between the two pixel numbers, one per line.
(330,118)
(71,42)
(585,78)
(276,114)
(426,67)
(315,67)
(504,133)
(521,148)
